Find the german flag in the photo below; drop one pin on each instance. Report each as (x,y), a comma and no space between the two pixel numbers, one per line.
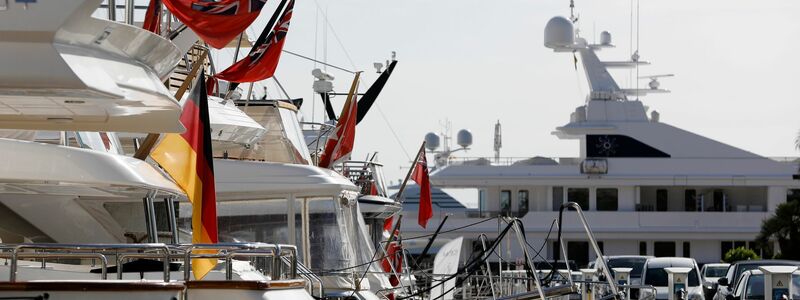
(188,160)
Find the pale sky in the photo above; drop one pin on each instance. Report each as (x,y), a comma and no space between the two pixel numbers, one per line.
(475,62)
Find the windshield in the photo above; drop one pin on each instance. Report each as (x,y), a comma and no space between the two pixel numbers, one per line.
(716,271)
(659,277)
(635,263)
(755,287)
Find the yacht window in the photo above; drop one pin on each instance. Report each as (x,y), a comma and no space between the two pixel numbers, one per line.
(664,249)
(556,250)
(726,246)
(482,200)
(792,195)
(607,199)
(719,202)
(580,196)
(690,200)
(522,197)
(642,248)
(505,202)
(687,249)
(578,252)
(662,200)
(558,197)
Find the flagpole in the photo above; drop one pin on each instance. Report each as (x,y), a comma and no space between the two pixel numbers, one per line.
(151,139)
(408,175)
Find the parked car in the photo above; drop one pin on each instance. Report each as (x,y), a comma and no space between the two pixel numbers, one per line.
(711,273)
(751,286)
(727,284)
(653,274)
(635,262)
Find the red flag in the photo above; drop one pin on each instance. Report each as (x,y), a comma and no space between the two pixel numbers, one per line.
(216,21)
(420,176)
(263,59)
(387,226)
(152,18)
(340,144)
(393,262)
(211,85)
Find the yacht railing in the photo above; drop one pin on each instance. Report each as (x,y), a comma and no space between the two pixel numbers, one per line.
(509,161)
(166,253)
(571,161)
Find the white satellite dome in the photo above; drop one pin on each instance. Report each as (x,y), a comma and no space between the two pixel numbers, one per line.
(431,141)
(559,33)
(464,138)
(605,38)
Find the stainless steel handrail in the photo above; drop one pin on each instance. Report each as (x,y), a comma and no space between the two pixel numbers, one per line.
(166,253)
(43,256)
(593,243)
(16,249)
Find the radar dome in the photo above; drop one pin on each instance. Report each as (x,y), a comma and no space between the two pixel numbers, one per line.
(605,38)
(464,138)
(559,33)
(431,141)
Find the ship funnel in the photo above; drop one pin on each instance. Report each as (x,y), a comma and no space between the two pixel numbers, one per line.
(559,34)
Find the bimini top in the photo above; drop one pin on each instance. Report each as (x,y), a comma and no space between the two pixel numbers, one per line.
(44,169)
(255,180)
(65,70)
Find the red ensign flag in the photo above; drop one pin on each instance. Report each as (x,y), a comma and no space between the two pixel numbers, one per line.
(216,22)
(263,59)
(420,176)
(340,144)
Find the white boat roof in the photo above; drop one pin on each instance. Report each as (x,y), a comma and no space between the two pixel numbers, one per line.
(66,70)
(231,127)
(58,170)
(256,180)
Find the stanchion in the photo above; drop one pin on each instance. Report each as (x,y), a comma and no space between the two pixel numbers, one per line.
(623,277)
(586,287)
(778,282)
(678,279)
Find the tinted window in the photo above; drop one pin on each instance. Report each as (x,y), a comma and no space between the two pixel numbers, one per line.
(747,267)
(607,199)
(659,277)
(634,263)
(505,202)
(755,288)
(716,271)
(580,196)
(558,197)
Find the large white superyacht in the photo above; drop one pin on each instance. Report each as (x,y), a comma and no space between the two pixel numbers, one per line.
(647,187)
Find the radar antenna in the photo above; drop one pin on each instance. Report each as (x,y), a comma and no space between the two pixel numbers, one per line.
(498,142)
(572,16)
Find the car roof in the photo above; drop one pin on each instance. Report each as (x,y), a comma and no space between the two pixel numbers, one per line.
(758,272)
(664,262)
(717,265)
(770,261)
(627,256)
